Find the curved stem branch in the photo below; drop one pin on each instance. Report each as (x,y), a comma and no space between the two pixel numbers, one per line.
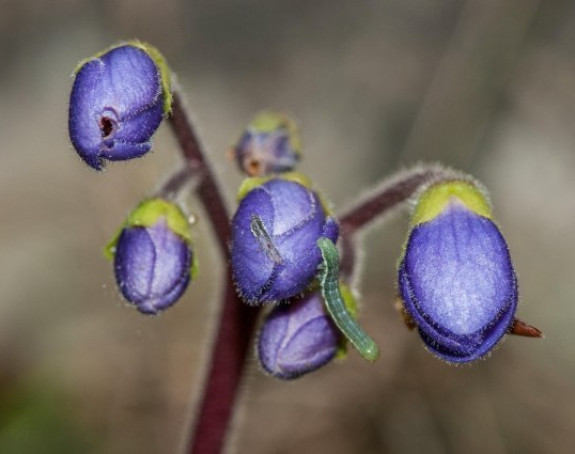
(175,183)
(381,201)
(236,320)
(390,194)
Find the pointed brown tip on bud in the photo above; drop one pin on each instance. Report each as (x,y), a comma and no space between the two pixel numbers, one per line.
(400,308)
(520,328)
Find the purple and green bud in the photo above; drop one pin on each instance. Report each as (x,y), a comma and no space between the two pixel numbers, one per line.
(153,257)
(270,144)
(298,338)
(118,100)
(456,279)
(274,234)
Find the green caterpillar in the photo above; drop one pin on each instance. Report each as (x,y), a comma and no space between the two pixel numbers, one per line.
(329,281)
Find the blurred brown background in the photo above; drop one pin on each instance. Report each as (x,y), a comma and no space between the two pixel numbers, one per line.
(484,86)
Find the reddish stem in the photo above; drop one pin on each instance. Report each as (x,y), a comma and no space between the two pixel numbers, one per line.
(170,189)
(384,198)
(390,194)
(237,320)
(208,190)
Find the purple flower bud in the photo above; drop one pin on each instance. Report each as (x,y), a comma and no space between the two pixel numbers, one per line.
(456,278)
(274,234)
(270,144)
(118,100)
(153,257)
(297,338)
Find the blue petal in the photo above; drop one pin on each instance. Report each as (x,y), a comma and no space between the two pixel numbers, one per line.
(331,230)
(251,265)
(460,270)
(152,266)
(172,264)
(116,102)
(134,263)
(301,257)
(458,283)
(294,219)
(130,81)
(125,150)
(293,204)
(297,339)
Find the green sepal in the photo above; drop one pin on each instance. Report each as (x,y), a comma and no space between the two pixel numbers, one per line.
(434,199)
(254,182)
(157,58)
(249,184)
(146,214)
(351,306)
(195,267)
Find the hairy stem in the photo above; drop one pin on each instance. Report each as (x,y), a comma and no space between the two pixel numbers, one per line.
(379,202)
(208,190)
(175,183)
(236,320)
(390,194)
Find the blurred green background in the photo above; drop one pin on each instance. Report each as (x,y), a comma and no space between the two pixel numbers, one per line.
(484,86)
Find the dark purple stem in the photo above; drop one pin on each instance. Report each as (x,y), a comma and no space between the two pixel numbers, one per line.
(237,320)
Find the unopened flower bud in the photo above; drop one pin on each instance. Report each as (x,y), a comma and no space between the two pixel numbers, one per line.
(456,278)
(118,100)
(297,338)
(152,256)
(270,144)
(274,234)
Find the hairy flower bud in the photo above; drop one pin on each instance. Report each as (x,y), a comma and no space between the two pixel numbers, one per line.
(297,338)
(118,100)
(270,144)
(152,256)
(456,278)
(274,235)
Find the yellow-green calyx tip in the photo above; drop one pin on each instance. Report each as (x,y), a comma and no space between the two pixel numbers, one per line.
(162,65)
(433,200)
(267,121)
(251,183)
(157,58)
(148,213)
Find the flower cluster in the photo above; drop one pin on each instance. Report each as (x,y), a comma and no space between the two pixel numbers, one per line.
(277,235)
(456,281)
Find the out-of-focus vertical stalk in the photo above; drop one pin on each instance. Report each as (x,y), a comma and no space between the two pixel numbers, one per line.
(236,320)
